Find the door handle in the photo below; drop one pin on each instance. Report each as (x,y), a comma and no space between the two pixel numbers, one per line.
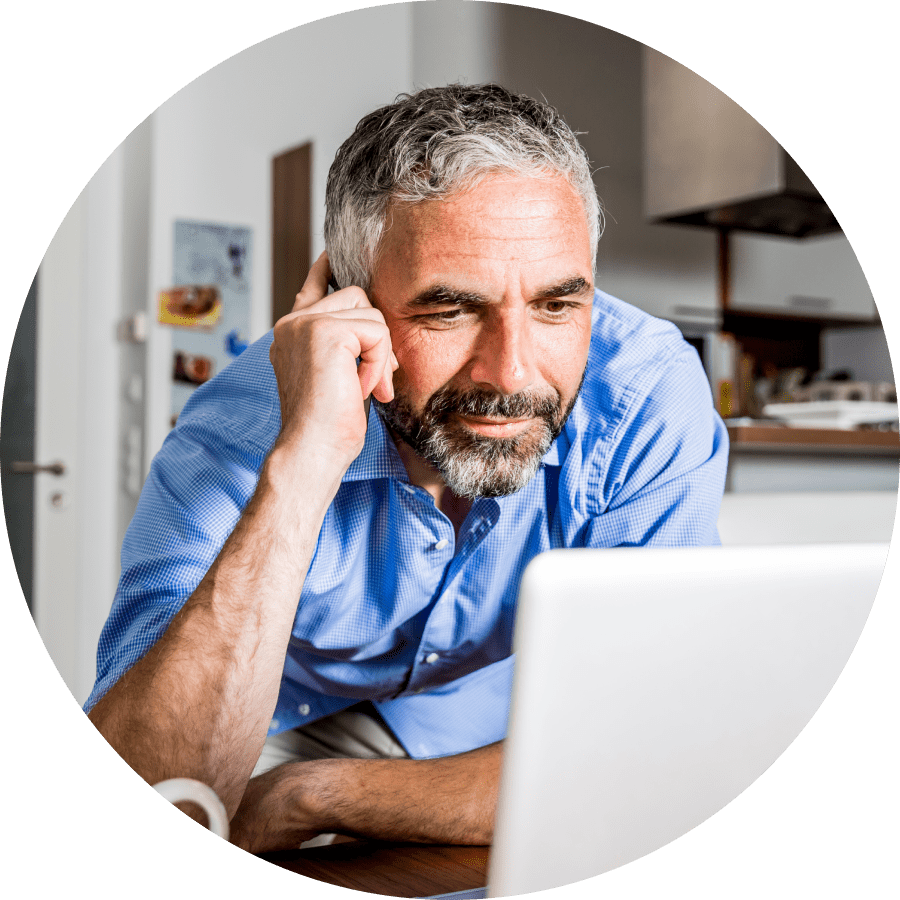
(29,468)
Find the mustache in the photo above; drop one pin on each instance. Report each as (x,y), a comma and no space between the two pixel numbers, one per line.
(476,402)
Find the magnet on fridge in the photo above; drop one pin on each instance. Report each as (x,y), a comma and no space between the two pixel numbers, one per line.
(233,343)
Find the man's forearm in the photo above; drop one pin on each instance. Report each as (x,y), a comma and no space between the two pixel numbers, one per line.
(451,800)
(198,704)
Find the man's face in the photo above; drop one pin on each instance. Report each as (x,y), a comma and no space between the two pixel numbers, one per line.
(488,297)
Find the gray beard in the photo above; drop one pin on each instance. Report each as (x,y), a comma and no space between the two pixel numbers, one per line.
(473,465)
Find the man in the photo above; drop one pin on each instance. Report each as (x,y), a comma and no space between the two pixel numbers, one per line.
(515,410)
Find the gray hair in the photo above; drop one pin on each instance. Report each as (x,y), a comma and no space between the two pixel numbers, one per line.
(434,143)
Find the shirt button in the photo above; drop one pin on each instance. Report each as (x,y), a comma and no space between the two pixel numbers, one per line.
(303,709)
(431,658)
(443,542)
(273,725)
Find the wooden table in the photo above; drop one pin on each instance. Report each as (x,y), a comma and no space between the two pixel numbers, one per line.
(398,870)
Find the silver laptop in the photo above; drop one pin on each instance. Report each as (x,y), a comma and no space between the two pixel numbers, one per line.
(653,686)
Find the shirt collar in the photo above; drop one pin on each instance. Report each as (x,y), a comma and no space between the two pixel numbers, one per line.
(559,449)
(556,454)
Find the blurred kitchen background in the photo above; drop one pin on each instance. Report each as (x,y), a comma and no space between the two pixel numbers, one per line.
(709,224)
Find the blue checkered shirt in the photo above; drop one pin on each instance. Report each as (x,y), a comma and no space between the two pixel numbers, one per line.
(395,609)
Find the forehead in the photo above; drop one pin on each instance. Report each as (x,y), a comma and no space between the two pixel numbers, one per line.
(526,222)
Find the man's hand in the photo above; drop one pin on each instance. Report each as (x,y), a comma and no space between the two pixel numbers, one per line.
(273,814)
(450,800)
(314,354)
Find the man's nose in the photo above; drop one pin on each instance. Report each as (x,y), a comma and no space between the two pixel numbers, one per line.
(504,358)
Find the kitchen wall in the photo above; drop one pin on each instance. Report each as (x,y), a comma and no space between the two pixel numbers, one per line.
(455,42)
(864,351)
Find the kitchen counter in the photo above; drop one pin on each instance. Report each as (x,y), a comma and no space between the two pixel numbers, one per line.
(759,438)
(766,458)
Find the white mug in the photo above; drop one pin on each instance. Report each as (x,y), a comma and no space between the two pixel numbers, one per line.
(179,790)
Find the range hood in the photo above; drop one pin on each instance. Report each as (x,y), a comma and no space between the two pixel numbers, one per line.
(710,164)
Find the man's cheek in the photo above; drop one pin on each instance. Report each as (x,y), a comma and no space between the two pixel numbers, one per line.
(401,381)
(411,356)
(422,369)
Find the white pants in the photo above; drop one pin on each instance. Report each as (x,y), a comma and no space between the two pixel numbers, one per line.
(355,733)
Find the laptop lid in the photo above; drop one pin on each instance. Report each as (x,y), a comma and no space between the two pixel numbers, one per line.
(652,686)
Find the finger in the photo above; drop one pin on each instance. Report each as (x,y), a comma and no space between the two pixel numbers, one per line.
(384,389)
(346,299)
(315,287)
(375,360)
(351,302)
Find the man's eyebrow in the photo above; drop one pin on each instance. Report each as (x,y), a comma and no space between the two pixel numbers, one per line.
(444,295)
(569,288)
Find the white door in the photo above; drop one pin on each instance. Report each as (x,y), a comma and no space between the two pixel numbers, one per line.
(89,408)
(59,499)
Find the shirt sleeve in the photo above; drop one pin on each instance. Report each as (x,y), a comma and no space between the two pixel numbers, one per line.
(197,488)
(659,482)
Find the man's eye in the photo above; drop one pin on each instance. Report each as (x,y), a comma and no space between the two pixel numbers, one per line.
(557,309)
(446,317)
